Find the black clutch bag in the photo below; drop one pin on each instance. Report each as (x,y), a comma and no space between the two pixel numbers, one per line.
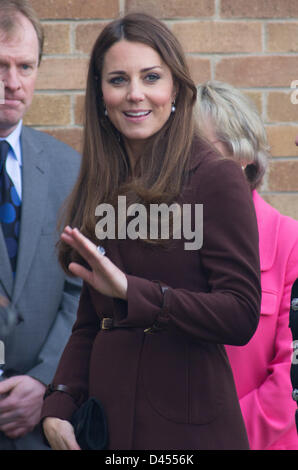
(90,426)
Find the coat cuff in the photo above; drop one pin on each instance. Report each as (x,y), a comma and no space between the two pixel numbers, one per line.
(145,305)
(58,405)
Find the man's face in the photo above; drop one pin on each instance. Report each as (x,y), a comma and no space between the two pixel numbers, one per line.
(18,71)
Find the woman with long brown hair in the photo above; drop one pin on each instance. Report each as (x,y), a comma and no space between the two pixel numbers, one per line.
(155,311)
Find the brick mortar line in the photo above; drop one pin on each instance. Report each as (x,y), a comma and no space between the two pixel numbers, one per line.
(72,39)
(75,22)
(72,110)
(55,128)
(278,193)
(210,19)
(212,69)
(264,106)
(71,55)
(121,6)
(285,159)
(176,20)
(217,8)
(48,92)
(244,54)
(266,19)
(77,92)
(265,182)
(264,38)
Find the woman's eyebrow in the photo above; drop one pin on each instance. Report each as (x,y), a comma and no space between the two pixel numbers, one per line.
(147,69)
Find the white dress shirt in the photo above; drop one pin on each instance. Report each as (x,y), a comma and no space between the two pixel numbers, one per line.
(14,158)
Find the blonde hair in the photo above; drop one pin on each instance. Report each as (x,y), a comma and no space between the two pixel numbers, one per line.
(237,124)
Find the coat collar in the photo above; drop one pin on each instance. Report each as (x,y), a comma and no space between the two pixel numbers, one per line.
(200,148)
(268,220)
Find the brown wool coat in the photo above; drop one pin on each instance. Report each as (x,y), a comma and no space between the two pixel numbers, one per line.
(173,388)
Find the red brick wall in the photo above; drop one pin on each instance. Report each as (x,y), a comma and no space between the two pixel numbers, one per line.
(252,44)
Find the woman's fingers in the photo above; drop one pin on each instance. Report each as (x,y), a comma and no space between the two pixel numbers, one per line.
(85,247)
(103,275)
(79,242)
(79,271)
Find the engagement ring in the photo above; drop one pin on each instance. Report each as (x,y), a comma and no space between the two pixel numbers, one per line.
(101,250)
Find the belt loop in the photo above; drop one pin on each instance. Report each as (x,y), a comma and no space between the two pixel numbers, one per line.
(162,320)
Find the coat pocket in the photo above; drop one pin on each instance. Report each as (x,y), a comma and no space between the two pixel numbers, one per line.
(180,378)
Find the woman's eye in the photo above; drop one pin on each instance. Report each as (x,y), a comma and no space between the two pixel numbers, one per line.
(152,77)
(117,80)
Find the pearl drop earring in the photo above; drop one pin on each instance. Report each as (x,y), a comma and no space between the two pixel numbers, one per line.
(104,108)
(173,109)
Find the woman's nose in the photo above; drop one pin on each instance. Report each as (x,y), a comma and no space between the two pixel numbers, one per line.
(135,92)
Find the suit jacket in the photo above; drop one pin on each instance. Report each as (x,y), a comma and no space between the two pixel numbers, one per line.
(262,367)
(172,388)
(43,296)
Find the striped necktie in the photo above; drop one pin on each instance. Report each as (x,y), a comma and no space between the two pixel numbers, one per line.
(10,208)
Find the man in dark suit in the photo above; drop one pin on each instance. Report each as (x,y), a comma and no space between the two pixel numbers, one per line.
(37,173)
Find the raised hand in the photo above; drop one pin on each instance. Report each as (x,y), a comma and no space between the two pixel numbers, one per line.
(104,275)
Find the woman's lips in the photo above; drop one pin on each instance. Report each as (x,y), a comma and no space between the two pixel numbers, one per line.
(137,116)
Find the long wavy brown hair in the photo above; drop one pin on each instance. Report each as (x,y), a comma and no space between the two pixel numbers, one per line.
(105,171)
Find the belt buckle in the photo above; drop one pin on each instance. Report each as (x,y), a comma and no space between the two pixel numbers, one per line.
(106,323)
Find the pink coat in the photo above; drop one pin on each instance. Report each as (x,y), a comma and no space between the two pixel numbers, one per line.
(262,367)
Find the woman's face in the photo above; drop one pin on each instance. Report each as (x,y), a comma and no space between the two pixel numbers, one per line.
(138,91)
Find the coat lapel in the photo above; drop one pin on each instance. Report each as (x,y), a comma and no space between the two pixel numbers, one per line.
(34,193)
(268,220)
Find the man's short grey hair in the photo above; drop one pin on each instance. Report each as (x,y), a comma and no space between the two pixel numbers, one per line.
(8,11)
(237,124)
